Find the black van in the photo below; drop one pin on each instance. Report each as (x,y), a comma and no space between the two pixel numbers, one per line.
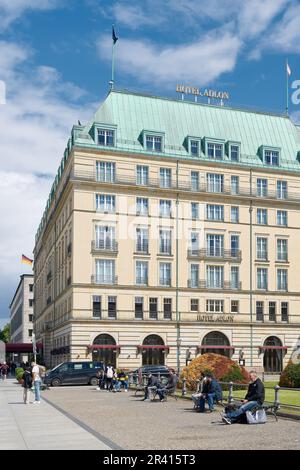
(74,373)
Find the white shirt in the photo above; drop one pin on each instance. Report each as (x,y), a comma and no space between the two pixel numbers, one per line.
(36,373)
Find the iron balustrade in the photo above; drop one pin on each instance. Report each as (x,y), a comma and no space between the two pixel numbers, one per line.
(207,253)
(205,284)
(105,245)
(104,280)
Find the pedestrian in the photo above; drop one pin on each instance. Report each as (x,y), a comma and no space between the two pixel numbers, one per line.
(123,381)
(109,375)
(170,387)
(101,377)
(152,383)
(36,378)
(4,371)
(196,396)
(27,384)
(212,392)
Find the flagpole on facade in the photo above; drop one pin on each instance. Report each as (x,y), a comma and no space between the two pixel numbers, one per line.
(114,40)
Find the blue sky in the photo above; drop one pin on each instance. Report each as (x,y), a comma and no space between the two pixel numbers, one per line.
(55,62)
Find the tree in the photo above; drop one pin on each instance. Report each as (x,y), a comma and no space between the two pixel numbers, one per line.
(5,333)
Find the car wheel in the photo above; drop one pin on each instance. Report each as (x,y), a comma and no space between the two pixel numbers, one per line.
(56,383)
(94,381)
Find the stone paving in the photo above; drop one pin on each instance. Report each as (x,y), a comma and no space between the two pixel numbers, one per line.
(134,424)
(40,426)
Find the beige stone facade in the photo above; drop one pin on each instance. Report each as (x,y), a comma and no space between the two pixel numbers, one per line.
(226,266)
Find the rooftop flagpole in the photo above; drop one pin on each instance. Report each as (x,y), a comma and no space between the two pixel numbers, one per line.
(288,73)
(114,40)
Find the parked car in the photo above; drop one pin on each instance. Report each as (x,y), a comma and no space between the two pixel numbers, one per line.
(158,370)
(74,373)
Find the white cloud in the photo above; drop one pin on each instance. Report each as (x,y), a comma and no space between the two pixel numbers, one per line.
(285,35)
(134,16)
(203,61)
(255,16)
(10,10)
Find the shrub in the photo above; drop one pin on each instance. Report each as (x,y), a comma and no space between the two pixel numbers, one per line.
(223,369)
(19,373)
(290,377)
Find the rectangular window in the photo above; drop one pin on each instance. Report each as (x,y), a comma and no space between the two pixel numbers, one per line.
(142,206)
(282,218)
(165,177)
(284,311)
(30,287)
(154,143)
(234,185)
(106,137)
(234,245)
(97,306)
(271,157)
(235,277)
(30,333)
(165,242)
(272,311)
(262,217)
(282,250)
(165,274)
(194,147)
(282,190)
(112,307)
(106,203)
(195,243)
(195,210)
(105,271)
(153,308)
(194,275)
(214,306)
(139,308)
(214,183)
(194,305)
(164,208)
(30,302)
(142,240)
(105,237)
(234,212)
(262,187)
(142,175)
(234,306)
(106,172)
(282,283)
(262,278)
(30,317)
(195,180)
(141,273)
(234,153)
(259,311)
(262,248)
(215,150)
(215,245)
(215,212)
(167,309)
(215,277)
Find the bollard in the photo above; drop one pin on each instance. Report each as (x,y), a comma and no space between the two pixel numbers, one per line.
(198,386)
(276,399)
(183,391)
(230,393)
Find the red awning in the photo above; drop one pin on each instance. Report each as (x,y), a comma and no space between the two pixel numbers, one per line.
(206,346)
(104,346)
(274,347)
(152,346)
(21,347)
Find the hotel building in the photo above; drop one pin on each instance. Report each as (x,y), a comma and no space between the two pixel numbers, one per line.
(171,230)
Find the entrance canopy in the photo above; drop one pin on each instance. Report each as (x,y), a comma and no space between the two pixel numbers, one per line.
(104,346)
(22,347)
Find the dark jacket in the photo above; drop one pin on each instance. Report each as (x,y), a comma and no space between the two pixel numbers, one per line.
(256,391)
(172,382)
(152,381)
(213,387)
(27,379)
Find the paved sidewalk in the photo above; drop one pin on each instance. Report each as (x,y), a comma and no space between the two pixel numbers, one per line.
(40,426)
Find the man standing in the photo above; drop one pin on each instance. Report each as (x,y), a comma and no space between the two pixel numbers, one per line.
(254,397)
(4,370)
(36,378)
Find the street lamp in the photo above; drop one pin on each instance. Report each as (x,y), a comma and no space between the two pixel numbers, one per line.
(178,344)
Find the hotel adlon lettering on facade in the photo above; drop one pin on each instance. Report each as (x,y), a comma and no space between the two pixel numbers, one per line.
(172,226)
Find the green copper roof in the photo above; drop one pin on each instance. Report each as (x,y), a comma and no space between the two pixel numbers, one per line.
(132,113)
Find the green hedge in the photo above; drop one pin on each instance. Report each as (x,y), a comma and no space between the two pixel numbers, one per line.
(19,373)
(290,377)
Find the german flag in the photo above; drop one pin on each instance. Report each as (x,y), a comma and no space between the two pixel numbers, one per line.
(26,260)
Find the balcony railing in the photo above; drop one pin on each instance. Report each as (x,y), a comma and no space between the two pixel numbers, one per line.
(186,185)
(226,255)
(204,284)
(104,280)
(105,245)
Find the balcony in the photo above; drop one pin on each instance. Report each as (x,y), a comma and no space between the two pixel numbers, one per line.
(108,246)
(221,255)
(204,284)
(104,280)
(186,185)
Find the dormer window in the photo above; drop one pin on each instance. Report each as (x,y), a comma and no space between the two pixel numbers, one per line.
(154,143)
(271,157)
(214,148)
(194,147)
(106,137)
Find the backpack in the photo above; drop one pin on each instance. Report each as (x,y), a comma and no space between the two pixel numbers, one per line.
(258,417)
(110,373)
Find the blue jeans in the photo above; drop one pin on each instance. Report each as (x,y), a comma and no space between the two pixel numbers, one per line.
(210,397)
(234,415)
(37,388)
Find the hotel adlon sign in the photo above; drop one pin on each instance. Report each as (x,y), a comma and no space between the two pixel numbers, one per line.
(208,93)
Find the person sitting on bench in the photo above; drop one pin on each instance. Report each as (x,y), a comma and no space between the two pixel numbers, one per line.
(254,397)
(170,387)
(152,383)
(212,392)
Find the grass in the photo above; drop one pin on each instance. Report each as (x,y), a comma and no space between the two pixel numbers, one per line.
(286,397)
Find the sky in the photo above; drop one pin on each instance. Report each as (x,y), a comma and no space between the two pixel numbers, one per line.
(55,64)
